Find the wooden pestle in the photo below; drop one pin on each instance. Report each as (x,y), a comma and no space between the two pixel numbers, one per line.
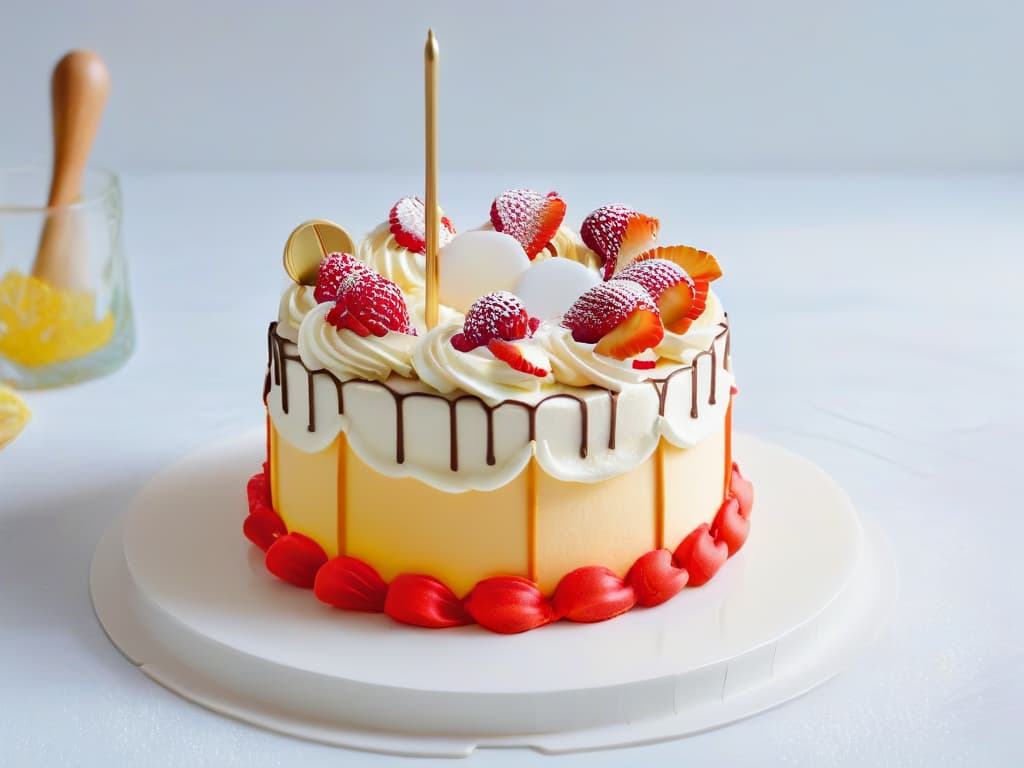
(78,89)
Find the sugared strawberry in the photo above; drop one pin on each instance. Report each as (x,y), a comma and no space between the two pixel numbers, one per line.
(333,269)
(670,286)
(408,220)
(618,316)
(529,217)
(498,315)
(700,266)
(509,353)
(618,234)
(369,303)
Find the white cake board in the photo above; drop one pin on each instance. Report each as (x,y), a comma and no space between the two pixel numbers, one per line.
(185,596)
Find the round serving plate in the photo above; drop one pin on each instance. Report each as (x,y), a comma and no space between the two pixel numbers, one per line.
(186,597)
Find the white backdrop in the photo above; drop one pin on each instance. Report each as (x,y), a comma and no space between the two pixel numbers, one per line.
(739,85)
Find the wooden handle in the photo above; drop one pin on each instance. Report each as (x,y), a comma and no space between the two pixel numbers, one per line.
(78,90)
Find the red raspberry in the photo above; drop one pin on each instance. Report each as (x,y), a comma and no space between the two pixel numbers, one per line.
(369,303)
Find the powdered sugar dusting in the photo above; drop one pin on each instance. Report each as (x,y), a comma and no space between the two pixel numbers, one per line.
(499,315)
(602,230)
(333,269)
(656,275)
(528,216)
(369,303)
(604,307)
(408,221)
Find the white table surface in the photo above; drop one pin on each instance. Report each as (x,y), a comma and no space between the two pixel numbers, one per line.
(877,326)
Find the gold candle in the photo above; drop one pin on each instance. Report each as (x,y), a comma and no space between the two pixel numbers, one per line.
(432,218)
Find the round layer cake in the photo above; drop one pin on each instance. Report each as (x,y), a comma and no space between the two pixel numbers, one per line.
(557,446)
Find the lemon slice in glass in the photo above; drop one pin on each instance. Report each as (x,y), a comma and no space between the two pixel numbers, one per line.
(40,325)
(14,415)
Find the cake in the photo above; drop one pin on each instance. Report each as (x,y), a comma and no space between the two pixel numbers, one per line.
(557,446)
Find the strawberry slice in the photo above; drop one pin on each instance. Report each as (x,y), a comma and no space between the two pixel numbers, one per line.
(368,303)
(618,234)
(670,286)
(333,270)
(699,265)
(529,217)
(408,219)
(509,353)
(618,316)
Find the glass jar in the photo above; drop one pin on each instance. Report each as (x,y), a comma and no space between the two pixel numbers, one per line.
(65,312)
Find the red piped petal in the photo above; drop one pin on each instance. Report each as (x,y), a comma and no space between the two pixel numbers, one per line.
(592,593)
(730,526)
(743,490)
(423,601)
(258,491)
(296,559)
(701,555)
(508,605)
(351,585)
(655,578)
(263,527)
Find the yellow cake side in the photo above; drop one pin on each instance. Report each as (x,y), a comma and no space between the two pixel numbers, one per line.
(305,490)
(402,525)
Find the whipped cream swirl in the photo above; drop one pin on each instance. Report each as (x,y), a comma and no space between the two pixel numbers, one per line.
(382,252)
(569,246)
(416,303)
(296,302)
(480,373)
(578,365)
(684,347)
(348,355)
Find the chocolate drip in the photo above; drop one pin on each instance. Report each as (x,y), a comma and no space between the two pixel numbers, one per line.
(532,409)
(714,372)
(661,386)
(312,403)
(728,339)
(399,425)
(489,415)
(273,343)
(276,369)
(453,436)
(613,409)
(339,387)
(693,388)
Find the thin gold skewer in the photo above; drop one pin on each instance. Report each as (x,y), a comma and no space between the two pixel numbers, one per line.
(432,219)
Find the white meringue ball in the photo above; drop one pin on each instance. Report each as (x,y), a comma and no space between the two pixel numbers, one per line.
(478,262)
(549,288)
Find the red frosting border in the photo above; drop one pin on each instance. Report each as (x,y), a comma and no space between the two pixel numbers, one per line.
(504,604)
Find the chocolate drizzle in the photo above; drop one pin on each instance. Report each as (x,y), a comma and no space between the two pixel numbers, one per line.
(613,407)
(278,355)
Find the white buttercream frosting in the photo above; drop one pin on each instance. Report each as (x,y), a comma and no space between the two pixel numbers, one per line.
(348,355)
(416,303)
(296,302)
(682,348)
(381,251)
(578,365)
(478,372)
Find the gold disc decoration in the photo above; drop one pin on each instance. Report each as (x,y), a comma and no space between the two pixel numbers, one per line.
(307,246)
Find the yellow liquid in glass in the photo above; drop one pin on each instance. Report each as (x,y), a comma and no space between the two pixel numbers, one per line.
(40,325)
